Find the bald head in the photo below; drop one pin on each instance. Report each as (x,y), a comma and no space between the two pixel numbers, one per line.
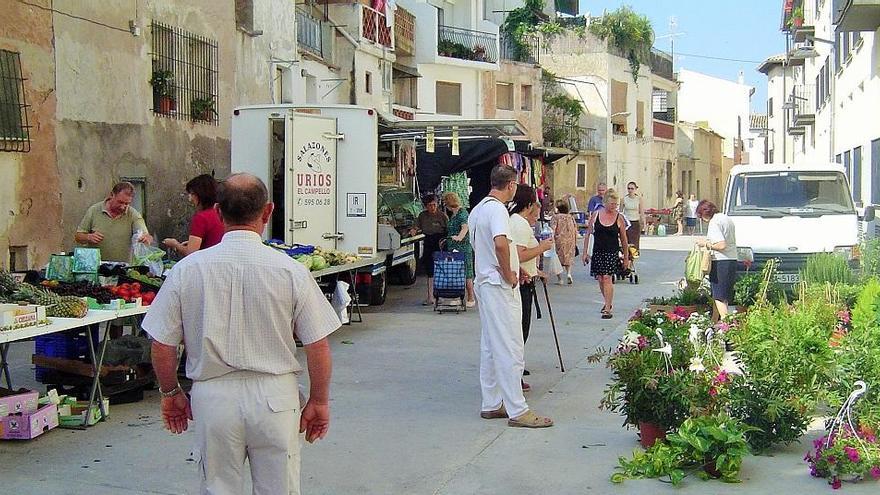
(242,199)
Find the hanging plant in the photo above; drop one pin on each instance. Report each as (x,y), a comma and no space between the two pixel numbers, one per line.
(630,32)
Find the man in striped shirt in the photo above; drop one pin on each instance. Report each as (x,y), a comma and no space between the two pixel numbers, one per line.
(236,307)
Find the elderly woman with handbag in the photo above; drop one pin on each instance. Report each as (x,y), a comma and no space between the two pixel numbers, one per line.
(721,241)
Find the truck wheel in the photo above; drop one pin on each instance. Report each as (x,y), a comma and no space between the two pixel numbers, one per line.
(405,273)
(378,290)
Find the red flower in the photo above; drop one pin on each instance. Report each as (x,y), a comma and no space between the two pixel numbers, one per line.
(713,392)
(835,483)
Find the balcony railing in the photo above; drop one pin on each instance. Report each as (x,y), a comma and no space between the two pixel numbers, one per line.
(526,50)
(667,115)
(309,33)
(374,27)
(404,32)
(571,136)
(466,44)
(661,64)
(803,98)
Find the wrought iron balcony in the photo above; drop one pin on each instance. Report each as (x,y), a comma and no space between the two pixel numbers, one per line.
(309,33)
(570,136)
(667,115)
(803,98)
(466,44)
(526,50)
(374,27)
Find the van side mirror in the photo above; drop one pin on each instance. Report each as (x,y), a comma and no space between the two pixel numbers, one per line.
(869,213)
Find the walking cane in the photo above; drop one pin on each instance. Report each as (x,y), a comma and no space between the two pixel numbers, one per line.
(553,324)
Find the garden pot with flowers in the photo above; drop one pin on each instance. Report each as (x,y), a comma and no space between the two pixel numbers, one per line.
(687,301)
(664,371)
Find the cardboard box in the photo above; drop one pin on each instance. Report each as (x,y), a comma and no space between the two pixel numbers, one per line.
(78,412)
(14,316)
(20,401)
(28,426)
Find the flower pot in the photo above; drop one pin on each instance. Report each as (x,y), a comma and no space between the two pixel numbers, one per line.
(797,22)
(649,433)
(711,469)
(166,105)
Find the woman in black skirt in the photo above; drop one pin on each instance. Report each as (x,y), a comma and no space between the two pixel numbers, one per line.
(608,228)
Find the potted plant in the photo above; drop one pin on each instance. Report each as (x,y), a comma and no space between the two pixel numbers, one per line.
(688,300)
(480,53)
(202,109)
(163,91)
(797,17)
(665,369)
(845,456)
(713,445)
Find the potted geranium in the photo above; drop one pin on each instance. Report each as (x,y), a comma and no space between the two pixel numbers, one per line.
(797,18)
(480,53)
(202,109)
(163,91)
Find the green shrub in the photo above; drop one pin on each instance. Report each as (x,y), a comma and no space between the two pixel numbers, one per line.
(827,267)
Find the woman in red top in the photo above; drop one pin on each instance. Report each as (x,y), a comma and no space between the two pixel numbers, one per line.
(205,229)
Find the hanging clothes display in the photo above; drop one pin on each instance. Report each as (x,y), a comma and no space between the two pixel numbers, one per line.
(459,184)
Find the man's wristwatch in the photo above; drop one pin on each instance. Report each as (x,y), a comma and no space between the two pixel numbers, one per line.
(171,393)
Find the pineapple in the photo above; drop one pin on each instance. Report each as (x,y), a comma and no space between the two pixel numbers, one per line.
(8,285)
(68,307)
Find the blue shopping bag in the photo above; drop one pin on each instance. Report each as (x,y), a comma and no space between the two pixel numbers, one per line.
(449,270)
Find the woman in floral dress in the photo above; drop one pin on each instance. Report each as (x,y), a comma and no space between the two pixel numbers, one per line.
(565,233)
(457,239)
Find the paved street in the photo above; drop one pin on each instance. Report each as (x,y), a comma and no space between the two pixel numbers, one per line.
(405,414)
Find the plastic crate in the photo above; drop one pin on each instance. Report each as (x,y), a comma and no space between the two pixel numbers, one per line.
(72,344)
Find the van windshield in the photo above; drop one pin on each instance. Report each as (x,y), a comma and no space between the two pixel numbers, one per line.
(790,193)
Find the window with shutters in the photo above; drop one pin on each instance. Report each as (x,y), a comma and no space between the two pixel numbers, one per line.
(448,98)
(640,118)
(14,128)
(618,107)
(581,178)
(504,96)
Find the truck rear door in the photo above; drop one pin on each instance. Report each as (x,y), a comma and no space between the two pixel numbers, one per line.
(310,180)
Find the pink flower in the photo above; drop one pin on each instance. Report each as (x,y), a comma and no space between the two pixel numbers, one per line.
(713,392)
(852,453)
(843,316)
(721,378)
(835,483)
(831,459)
(875,472)
(643,342)
(722,327)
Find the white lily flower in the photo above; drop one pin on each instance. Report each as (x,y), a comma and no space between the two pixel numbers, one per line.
(697,365)
(694,333)
(731,363)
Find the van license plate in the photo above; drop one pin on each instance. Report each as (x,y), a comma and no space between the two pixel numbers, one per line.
(788,278)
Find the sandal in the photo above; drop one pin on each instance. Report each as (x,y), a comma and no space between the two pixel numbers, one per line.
(530,420)
(606,314)
(496,414)
(525,386)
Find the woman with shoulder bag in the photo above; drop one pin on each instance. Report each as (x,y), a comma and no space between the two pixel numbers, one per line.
(721,241)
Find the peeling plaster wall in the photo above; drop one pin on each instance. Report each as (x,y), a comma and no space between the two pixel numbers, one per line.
(30,203)
(106,127)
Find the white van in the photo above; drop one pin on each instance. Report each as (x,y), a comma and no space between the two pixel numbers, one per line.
(789,212)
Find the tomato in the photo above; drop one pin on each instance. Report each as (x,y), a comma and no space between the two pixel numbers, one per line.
(125,286)
(148,298)
(135,287)
(124,293)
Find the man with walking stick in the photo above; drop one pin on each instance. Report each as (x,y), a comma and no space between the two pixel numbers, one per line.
(496,280)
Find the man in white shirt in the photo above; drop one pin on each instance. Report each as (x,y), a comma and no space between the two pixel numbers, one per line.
(496,267)
(236,307)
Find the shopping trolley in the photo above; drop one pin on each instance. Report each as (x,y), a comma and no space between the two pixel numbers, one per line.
(449,281)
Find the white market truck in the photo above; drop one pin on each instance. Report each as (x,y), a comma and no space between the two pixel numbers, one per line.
(789,212)
(320,164)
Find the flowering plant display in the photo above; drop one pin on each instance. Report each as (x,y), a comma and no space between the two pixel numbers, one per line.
(855,343)
(845,456)
(668,367)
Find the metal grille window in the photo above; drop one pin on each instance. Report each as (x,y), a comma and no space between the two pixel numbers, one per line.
(14,128)
(184,75)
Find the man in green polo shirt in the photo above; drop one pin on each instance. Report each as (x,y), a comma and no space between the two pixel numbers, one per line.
(110,224)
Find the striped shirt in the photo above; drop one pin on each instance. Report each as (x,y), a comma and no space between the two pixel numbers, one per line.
(236,306)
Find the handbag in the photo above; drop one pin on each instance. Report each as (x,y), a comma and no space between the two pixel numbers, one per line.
(705,260)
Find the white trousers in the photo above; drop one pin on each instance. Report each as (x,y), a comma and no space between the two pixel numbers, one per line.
(501,349)
(251,416)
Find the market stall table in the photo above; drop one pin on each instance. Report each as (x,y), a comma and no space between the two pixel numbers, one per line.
(93,318)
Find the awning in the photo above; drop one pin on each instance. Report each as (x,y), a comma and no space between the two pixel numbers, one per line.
(392,128)
(400,71)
